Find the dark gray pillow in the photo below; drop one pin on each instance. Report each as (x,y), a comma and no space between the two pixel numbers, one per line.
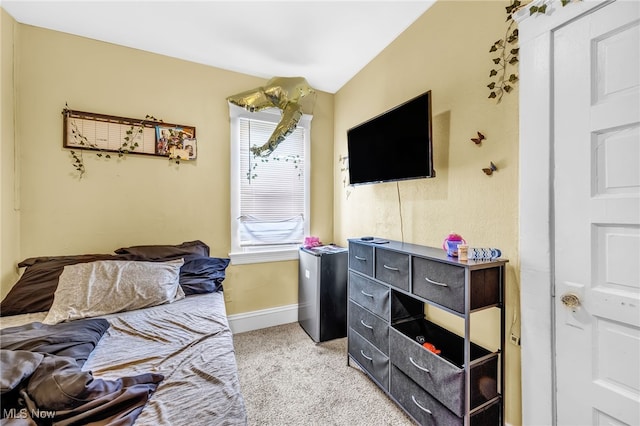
(167,252)
(201,274)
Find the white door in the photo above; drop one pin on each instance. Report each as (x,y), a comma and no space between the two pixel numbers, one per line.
(596,166)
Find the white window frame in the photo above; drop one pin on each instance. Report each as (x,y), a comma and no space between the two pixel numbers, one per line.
(245,255)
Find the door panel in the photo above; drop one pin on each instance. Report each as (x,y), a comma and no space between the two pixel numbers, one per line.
(596,145)
(616,153)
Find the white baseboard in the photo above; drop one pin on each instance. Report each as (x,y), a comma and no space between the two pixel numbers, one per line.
(264,318)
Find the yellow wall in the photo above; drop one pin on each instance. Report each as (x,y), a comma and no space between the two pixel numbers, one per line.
(445,51)
(141,199)
(9,197)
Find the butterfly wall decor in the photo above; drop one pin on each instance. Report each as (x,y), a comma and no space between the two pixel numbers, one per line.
(479,139)
(489,170)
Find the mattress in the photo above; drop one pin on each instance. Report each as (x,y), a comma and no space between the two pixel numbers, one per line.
(189,342)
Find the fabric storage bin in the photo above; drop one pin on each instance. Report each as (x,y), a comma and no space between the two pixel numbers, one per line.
(444,284)
(369,326)
(439,282)
(427,411)
(374,362)
(443,374)
(418,403)
(405,307)
(370,295)
(361,258)
(488,416)
(392,268)
(485,290)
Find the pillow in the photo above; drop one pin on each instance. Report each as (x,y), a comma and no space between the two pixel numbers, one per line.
(157,252)
(105,287)
(33,292)
(201,274)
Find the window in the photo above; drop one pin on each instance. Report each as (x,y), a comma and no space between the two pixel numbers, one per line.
(270,195)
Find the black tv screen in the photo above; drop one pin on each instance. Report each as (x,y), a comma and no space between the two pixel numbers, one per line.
(395,145)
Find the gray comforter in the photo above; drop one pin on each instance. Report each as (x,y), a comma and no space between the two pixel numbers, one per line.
(42,381)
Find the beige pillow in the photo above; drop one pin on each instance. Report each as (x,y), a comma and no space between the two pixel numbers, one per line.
(108,286)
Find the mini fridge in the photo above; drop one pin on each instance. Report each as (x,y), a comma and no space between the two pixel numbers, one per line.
(322,292)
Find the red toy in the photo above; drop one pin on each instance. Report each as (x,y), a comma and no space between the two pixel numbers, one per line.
(429,346)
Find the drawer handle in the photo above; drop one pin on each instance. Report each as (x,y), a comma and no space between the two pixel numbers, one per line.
(366,294)
(362,352)
(391,268)
(366,325)
(426,410)
(364,259)
(426,370)
(436,282)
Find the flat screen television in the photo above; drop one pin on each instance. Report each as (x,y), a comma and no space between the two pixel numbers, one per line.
(395,145)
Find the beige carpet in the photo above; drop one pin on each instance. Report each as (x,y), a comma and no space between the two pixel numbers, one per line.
(287,379)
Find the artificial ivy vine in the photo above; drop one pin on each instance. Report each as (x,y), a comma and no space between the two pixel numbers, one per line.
(128,142)
(293,159)
(505,73)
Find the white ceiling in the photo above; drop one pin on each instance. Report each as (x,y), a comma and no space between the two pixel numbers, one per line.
(327,42)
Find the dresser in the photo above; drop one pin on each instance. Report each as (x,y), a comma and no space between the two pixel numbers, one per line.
(389,283)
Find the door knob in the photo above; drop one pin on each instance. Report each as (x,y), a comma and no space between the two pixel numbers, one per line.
(570,300)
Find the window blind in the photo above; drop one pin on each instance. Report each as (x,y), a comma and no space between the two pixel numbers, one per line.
(272,198)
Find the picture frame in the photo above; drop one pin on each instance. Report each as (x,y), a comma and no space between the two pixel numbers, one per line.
(190,145)
(170,141)
(184,151)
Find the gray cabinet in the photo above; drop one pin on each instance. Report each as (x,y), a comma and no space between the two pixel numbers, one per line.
(388,286)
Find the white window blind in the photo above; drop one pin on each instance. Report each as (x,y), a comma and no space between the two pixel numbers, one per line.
(272,189)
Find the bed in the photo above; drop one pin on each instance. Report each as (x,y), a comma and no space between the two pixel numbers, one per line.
(169,363)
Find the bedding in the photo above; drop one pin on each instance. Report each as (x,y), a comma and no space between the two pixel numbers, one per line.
(34,291)
(168,251)
(170,362)
(104,287)
(43,381)
(188,342)
(199,274)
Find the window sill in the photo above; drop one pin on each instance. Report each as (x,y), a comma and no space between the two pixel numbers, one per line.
(244,258)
